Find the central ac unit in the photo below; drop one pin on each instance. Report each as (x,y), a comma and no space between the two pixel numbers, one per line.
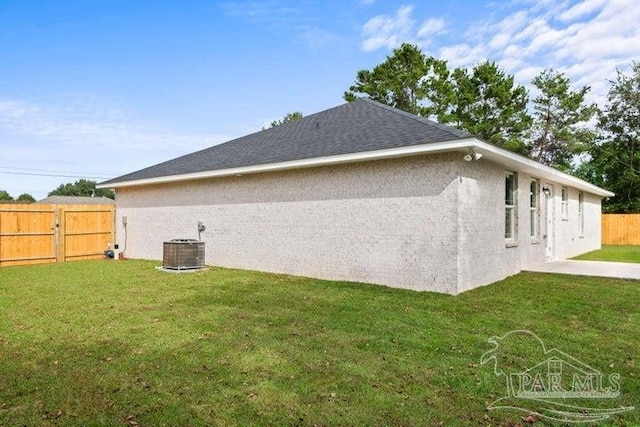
(183,254)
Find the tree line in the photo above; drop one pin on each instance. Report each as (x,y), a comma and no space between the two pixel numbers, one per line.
(82,187)
(558,127)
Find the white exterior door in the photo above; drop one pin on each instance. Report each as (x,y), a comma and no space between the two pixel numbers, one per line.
(548,221)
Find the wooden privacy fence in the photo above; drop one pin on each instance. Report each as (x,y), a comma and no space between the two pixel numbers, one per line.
(32,234)
(621,229)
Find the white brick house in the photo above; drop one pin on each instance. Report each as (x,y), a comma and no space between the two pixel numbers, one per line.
(363,192)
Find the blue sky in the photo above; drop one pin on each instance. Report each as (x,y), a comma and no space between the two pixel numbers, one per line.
(99,88)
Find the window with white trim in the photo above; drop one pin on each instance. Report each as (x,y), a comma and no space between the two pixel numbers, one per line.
(510,199)
(534,197)
(564,205)
(581,214)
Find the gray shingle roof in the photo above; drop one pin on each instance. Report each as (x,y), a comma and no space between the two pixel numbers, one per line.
(359,126)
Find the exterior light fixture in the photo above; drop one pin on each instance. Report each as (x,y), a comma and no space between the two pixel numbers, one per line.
(472,156)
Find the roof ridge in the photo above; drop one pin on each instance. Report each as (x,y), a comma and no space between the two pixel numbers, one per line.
(304,118)
(447,128)
(351,127)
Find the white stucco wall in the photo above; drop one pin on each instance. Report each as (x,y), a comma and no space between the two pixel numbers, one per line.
(431,222)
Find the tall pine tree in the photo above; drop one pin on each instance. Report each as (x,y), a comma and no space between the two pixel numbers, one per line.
(484,101)
(616,157)
(404,81)
(560,116)
(488,103)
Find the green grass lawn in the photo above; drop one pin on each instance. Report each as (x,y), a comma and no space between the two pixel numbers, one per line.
(613,253)
(119,343)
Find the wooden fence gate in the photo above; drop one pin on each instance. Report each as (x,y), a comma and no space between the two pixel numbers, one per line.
(32,234)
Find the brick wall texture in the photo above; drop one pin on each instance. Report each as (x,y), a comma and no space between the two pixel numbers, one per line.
(427,223)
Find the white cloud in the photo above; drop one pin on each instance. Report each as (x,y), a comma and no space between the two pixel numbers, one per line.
(11,111)
(484,29)
(588,51)
(92,137)
(83,135)
(581,9)
(499,41)
(586,39)
(91,126)
(532,28)
(431,26)
(389,32)
(461,55)
(384,31)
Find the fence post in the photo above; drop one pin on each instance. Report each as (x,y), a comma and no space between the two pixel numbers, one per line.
(113,227)
(60,249)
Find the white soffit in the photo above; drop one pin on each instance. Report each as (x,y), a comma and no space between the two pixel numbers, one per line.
(490,152)
(519,163)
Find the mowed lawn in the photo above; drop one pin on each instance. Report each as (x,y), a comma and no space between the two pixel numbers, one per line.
(119,343)
(622,253)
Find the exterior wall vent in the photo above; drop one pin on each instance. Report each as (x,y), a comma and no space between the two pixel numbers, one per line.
(183,254)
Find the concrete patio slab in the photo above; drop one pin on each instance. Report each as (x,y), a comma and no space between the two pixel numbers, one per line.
(620,270)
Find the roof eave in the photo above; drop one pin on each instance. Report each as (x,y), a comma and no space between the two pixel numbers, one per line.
(522,164)
(388,153)
(491,152)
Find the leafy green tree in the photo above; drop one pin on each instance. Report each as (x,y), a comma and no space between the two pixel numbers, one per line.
(25,198)
(288,118)
(5,197)
(488,103)
(405,80)
(82,187)
(589,171)
(615,158)
(483,101)
(559,130)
